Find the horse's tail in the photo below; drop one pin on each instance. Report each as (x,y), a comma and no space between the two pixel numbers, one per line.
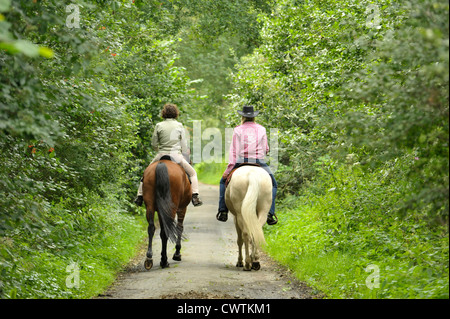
(248,210)
(163,201)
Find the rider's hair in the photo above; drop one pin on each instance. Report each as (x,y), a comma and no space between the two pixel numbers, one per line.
(247,119)
(170,111)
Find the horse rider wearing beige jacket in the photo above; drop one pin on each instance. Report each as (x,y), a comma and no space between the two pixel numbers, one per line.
(169,139)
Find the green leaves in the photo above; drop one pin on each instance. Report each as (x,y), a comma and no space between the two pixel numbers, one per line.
(5,5)
(15,46)
(27,48)
(362,93)
(77,108)
(330,235)
(115,5)
(359,77)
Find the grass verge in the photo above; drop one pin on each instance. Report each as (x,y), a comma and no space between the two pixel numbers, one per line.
(76,255)
(210,173)
(348,241)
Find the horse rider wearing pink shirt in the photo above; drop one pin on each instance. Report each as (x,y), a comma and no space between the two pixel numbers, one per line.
(249,145)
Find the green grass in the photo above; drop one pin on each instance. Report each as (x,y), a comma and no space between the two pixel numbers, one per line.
(301,244)
(340,225)
(210,173)
(99,240)
(300,241)
(346,222)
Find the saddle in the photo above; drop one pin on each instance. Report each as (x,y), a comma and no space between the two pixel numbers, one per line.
(227,181)
(169,158)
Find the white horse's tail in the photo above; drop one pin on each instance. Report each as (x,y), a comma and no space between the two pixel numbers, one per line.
(248,210)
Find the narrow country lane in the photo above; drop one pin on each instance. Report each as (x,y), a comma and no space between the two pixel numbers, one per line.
(207,269)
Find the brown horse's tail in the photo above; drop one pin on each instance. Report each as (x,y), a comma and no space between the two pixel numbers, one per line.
(163,202)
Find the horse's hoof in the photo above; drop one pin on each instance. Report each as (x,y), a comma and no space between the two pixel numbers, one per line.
(239,264)
(176,257)
(148,264)
(256,265)
(164,264)
(247,267)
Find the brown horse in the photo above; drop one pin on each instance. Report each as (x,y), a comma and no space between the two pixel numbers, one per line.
(167,190)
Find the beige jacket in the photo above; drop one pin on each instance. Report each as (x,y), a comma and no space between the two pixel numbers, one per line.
(169,137)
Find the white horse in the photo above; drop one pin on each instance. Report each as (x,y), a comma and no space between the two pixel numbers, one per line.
(249,197)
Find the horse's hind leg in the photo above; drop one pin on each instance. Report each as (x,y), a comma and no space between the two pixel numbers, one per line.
(148,264)
(164,238)
(180,214)
(255,252)
(262,217)
(255,257)
(248,258)
(240,242)
(243,239)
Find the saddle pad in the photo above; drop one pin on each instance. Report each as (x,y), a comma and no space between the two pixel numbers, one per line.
(227,181)
(169,158)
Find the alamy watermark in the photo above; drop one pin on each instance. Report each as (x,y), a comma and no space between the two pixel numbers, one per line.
(73,279)
(373,280)
(73,19)
(373,16)
(210,146)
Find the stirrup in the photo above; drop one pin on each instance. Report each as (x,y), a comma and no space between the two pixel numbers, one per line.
(271,220)
(222,216)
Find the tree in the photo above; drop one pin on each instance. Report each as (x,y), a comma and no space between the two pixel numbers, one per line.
(366,79)
(71,113)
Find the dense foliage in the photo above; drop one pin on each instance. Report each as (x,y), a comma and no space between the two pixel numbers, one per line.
(360,78)
(358,91)
(81,88)
(362,87)
(213,35)
(345,221)
(75,125)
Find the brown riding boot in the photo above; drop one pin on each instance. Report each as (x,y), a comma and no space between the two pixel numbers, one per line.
(196,201)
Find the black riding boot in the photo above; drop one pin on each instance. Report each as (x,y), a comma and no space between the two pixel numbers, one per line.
(139,200)
(272,220)
(222,216)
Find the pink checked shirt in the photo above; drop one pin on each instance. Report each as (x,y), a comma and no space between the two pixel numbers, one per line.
(249,141)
